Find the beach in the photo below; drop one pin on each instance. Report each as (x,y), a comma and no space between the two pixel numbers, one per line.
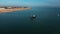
(13,9)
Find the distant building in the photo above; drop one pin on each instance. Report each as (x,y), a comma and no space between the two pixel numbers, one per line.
(25,7)
(2,8)
(9,7)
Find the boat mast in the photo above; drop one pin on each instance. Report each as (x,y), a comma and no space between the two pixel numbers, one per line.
(58,12)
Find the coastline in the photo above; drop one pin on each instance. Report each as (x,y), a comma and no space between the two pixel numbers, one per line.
(13,10)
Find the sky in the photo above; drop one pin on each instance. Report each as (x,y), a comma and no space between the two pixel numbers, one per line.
(29,2)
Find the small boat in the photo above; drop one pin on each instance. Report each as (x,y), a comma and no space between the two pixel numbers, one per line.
(33,17)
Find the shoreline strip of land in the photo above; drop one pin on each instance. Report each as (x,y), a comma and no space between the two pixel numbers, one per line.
(13,9)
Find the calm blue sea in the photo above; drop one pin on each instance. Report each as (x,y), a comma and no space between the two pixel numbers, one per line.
(47,21)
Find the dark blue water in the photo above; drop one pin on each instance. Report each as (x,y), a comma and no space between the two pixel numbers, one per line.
(47,21)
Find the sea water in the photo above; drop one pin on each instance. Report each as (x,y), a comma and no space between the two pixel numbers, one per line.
(47,21)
